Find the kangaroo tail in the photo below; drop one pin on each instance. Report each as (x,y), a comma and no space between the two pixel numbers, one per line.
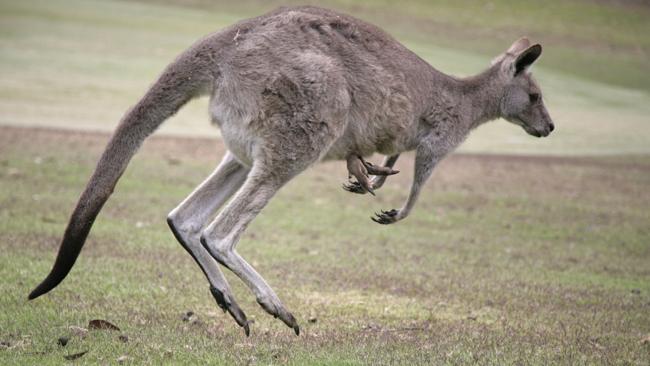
(187,77)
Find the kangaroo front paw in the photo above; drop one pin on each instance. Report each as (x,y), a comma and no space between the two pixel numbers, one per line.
(386,217)
(357,169)
(227,303)
(378,170)
(354,187)
(362,170)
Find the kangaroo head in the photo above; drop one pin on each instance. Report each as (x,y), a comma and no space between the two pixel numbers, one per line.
(521,101)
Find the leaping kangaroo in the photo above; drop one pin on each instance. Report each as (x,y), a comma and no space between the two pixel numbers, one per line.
(288,89)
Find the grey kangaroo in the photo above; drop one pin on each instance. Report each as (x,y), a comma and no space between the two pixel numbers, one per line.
(288,89)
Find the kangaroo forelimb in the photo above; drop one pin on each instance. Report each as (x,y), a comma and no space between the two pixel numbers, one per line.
(358,166)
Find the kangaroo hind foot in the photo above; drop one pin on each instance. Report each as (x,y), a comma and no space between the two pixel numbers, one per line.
(229,305)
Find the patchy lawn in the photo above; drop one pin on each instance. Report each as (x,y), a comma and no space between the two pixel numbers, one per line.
(506,260)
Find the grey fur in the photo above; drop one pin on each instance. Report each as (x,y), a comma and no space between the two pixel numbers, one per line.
(291,88)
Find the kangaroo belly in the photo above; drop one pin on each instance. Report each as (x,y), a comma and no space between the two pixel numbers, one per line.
(387,136)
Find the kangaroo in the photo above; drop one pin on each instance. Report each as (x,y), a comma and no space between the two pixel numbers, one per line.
(288,89)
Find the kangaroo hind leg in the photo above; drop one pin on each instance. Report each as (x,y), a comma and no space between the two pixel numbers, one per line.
(304,114)
(222,235)
(287,154)
(188,220)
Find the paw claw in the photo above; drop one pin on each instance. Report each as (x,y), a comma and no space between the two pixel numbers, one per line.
(378,170)
(354,187)
(386,217)
(360,188)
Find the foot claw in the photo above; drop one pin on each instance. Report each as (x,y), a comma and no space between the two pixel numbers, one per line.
(291,322)
(288,319)
(221,300)
(278,311)
(232,308)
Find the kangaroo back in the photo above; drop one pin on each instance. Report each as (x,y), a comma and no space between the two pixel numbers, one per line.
(187,77)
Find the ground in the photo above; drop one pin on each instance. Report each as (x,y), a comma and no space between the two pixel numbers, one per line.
(506,260)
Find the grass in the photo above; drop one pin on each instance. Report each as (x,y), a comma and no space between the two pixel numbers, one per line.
(507,260)
(64,61)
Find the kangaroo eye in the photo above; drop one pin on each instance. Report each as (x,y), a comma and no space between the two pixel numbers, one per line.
(533,97)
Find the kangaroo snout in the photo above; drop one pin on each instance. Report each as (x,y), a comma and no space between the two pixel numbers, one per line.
(540,132)
(547,130)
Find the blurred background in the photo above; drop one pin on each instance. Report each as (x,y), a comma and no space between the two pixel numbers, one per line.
(81,63)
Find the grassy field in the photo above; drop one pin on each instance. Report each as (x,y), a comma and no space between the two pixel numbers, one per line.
(80,64)
(507,260)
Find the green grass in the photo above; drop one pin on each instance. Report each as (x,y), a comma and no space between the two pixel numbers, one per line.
(81,64)
(505,261)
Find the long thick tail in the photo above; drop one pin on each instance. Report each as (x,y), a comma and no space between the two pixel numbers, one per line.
(184,79)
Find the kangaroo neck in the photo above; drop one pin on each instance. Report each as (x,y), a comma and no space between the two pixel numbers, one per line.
(474,100)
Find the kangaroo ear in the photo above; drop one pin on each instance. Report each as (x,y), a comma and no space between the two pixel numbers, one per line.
(516,48)
(527,57)
(518,57)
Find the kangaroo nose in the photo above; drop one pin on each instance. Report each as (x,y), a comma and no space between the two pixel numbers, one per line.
(551,127)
